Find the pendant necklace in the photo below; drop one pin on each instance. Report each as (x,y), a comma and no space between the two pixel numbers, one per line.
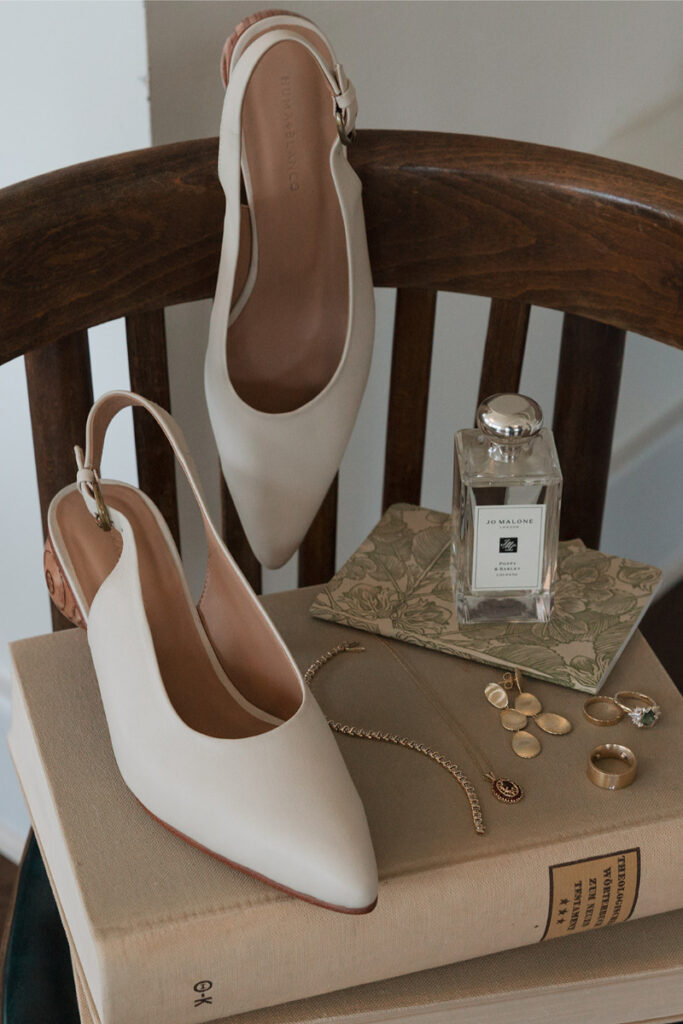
(400,741)
(504,789)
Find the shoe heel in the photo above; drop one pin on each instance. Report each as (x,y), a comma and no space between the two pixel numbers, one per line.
(59,590)
(241,28)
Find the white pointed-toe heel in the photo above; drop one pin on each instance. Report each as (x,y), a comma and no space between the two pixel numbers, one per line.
(257,778)
(289,349)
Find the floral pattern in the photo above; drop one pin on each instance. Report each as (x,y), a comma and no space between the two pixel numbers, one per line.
(398,584)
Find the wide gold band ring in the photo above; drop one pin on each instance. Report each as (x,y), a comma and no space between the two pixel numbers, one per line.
(617,712)
(605,779)
(646,711)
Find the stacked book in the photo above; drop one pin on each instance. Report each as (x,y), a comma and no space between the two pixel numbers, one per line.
(568,906)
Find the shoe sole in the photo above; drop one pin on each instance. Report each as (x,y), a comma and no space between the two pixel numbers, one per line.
(255,874)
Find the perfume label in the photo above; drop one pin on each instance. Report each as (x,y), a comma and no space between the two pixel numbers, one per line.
(508,547)
(592,893)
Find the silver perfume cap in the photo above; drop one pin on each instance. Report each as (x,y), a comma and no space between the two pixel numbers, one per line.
(509,417)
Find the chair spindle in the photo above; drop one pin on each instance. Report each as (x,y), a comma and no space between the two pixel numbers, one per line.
(60,395)
(410,371)
(148,367)
(317,552)
(235,538)
(504,349)
(588,378)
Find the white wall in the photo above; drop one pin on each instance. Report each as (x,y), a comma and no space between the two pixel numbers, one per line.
(73,80)
(600,77)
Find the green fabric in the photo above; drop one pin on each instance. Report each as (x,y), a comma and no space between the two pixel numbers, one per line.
(38,985)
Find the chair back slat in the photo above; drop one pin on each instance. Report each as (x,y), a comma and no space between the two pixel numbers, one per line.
(60,395)
(317,553)
(501,368)
(522,224)
(409,392)
(234,537)
(148,367)
(588,377)
(91,243)
(512,220)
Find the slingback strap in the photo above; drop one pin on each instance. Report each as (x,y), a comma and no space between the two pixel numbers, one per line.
(88,463)
(230,140)
(341,87)
(267,25)
(346,107)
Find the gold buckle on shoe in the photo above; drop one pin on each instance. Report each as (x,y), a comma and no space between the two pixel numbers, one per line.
(346,137)
(102,517)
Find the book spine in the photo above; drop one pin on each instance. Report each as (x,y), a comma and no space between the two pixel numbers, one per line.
(214,965)
(229,964)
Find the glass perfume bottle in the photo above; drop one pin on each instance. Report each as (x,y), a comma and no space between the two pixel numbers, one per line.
(507,489)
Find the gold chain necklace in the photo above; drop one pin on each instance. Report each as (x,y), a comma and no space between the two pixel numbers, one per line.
(506,790)
(399,741)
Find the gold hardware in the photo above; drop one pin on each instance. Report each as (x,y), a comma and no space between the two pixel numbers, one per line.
(346,137)
(102,517)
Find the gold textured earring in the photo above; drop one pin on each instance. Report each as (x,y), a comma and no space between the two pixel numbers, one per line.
(514,719)
(527,708)
(555,725)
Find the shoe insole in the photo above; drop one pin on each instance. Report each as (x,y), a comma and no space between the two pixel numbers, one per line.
(287,341)
(194,686)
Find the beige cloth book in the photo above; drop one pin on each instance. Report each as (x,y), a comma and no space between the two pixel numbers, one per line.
(398,583)
(628,975)
(152,918)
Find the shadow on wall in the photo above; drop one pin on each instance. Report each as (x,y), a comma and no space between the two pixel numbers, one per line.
(654,139)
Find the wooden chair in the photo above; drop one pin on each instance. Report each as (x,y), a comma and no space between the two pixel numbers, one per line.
(523,224)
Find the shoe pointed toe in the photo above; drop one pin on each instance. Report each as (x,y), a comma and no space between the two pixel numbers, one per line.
(349,875)
(334,862)
(275,512)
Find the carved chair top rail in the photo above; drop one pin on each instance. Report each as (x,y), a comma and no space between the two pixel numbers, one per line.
(511,220)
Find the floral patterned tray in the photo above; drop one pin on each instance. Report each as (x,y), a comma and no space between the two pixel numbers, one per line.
(398,584)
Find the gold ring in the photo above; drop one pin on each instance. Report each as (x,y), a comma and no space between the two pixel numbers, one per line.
(612,720)
(612,780)
(644,715)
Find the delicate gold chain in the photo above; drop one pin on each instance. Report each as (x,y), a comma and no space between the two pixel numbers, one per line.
(399,741)
(438,705)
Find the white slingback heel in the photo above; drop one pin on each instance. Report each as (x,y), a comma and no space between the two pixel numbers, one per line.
(212,726)
(289,346)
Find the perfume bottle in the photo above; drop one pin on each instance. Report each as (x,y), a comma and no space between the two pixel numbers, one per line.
(506,513)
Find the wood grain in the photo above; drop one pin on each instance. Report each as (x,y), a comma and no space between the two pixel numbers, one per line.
(504,349)
(148,367)
(236,539)
(522,224)
(585,409)
(540,225)
(60,395)
(408,395)
(511,220)
(317,552)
